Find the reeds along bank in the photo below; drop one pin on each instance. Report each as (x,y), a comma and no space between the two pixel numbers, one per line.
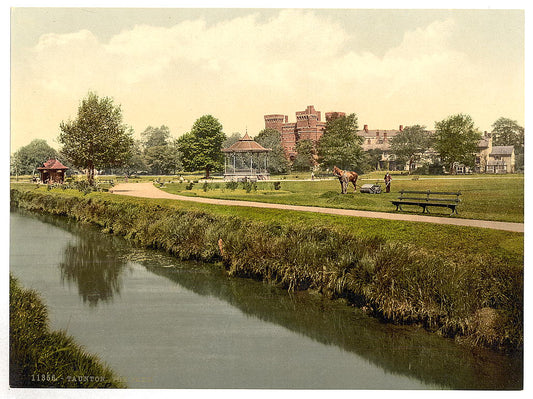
(475,298)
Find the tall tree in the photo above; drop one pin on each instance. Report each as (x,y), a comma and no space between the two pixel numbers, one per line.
(97,138)
(410,143)
(31,156)
(506,131)
(456,141)
(340,145)
(231,139)
(306,156)
(163,159)
(201,147)
(155,136)
(277,161)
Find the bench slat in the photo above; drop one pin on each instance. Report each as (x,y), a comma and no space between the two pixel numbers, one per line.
(430,199)
(431,192)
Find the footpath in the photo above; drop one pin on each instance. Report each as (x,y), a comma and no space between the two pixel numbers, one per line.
(148,190)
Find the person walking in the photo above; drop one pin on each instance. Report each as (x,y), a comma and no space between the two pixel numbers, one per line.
(387,179)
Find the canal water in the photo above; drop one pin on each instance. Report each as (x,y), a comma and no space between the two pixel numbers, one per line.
(163,323)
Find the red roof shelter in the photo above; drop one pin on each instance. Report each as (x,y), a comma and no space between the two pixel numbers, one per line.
(52,171)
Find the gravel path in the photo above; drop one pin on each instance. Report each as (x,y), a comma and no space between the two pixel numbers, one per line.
(147,190)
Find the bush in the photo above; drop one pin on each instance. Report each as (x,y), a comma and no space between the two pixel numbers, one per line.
(189,186)
(277,185)
(232,185)
(249,186)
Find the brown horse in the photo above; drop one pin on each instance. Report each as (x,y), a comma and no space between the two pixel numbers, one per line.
(344,178)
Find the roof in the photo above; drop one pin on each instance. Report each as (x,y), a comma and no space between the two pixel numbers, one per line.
(502,150)
(498,162)
(246,144)
(52,164)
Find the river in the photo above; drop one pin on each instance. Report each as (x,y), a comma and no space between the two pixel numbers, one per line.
(162,323)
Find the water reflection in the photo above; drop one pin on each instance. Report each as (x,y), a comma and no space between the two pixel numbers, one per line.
(398,349)
(93,265)
(96,264)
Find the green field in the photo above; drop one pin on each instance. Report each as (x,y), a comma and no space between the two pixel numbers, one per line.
(499,198)
(450,241)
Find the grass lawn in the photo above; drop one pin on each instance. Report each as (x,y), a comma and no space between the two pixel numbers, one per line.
(450,241)
(499,198)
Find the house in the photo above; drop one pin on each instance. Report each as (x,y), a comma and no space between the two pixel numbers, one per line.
(494,159)
(501,160)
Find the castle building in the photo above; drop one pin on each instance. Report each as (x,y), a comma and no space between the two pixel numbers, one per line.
(308,126)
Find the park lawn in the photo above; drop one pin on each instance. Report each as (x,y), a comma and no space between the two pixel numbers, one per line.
(498,198)
(451,241)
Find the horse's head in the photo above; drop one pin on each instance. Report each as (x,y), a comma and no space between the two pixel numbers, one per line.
(337,171)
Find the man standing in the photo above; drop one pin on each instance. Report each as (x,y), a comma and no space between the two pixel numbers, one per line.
(387,179)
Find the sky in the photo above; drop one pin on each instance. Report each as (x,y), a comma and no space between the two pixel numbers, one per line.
(170,66)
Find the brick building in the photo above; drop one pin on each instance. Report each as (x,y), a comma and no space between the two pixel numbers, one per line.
(308,126)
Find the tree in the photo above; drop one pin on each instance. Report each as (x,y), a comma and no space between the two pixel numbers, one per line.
(410,143)
(372,159)
(97,138)
(163,159)
(456,141)
(155,136)
(29,157)
(231,139)
(340,145)
(506,131)
(277,161)
(201,147)
(305,159)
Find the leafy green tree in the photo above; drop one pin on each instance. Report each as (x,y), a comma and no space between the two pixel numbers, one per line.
(201,147)
(506,131)
(410,143)
(231,139)
(305,159)
(28,158)
(340,144)
(163,159)
(372,158)
(277,161)
(97,138)
(155,136)
(456,141)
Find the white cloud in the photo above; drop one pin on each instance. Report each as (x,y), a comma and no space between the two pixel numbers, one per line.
(243,68)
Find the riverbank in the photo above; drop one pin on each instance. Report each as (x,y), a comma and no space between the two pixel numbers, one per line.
(473,297)
(40,358)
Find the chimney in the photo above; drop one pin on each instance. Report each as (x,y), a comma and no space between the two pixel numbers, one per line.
(366,128)
(286,118)
(401,128)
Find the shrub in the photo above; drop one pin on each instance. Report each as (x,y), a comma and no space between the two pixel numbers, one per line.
(232,185)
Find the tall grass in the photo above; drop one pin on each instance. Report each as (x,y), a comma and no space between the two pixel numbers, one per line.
(43,358)
(477,298)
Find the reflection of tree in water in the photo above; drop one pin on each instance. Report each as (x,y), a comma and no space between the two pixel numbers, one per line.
(396,349)
(95,265)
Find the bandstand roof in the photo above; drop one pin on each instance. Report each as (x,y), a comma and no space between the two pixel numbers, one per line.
(52,164)
(246,144)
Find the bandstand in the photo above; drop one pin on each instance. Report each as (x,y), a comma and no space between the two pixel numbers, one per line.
(246,160)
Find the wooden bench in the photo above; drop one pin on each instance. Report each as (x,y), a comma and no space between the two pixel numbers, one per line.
(425,199)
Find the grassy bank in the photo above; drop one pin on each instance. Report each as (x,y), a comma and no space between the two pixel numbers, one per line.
(42,358)
(458,291)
